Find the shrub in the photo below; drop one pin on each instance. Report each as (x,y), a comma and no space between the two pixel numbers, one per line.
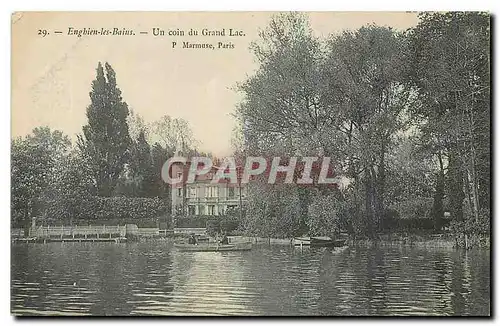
(214,224)
(415,223)
(416,208)
(324,217)
(144,212)
(213,227)
(128,208)
(192,221)
(470,226)
(229,224)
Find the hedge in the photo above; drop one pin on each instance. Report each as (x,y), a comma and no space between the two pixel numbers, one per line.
(128,208)
(213,224)
(227,225)
(144,212)
(192,221)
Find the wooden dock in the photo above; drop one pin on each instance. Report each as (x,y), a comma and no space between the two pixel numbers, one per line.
(48,240)
(44,234)
(86,233)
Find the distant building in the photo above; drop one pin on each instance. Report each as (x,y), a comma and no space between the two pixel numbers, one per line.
(203,197)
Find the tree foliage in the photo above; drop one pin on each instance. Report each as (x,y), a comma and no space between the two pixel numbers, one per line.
(106,141)
(405,115)
(451,67)
(57,183)
(34,163)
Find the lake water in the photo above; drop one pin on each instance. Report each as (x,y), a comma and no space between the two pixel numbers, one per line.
(153,278)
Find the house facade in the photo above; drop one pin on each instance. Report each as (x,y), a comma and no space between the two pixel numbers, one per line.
(202,197)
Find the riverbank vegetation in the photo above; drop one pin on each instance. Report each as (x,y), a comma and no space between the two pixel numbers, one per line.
(111,173)
(405,115)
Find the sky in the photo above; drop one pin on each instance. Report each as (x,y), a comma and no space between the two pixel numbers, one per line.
(52,75)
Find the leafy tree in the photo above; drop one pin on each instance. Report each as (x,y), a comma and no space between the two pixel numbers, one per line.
(273,211)
(344,99)
(159,156)
(364,86)
(450,66)
(141,167)
(280,109)
(281,113)
(174,134)
(326,215)
(136,125)
(34,163)
(70,192)
(106,141)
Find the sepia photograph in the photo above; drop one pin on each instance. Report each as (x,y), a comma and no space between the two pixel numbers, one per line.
(194,163)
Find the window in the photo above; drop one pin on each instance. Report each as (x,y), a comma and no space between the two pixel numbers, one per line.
(211,191)
(179,192)
(211,209)
(231,191)
(192,192)
(192,210)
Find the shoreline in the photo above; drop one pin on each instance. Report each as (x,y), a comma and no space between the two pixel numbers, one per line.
(418,241)
(444,240)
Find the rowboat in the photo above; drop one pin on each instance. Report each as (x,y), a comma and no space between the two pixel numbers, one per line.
(318,242)
(214,246)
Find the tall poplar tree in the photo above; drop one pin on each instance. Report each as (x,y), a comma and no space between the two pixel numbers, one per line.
(141,167)
(106,139)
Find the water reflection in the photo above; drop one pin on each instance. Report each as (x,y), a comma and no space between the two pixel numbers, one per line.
(155,279)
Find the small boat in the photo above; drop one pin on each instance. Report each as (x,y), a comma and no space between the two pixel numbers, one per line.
(244,246)
(318,242)
(302,241)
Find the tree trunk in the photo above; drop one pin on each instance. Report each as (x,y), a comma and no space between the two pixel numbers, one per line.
(380,190)
(304,201)
(473,182)
(369,203)
(455,182)
(437,206)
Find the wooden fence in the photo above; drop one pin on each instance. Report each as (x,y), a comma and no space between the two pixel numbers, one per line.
(82,231)
(190,230)
(148,232)
(88,232)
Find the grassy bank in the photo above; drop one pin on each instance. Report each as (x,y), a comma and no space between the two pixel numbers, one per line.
(445,241)
(427,241)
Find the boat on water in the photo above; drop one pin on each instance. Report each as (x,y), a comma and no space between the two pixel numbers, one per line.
(318,242)
(244,246)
